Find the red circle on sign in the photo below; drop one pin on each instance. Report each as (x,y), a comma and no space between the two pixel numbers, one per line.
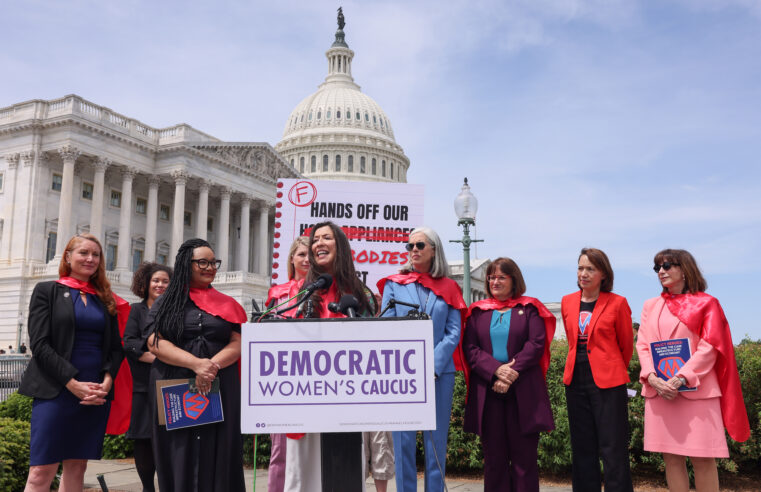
(277,224)
(279,184)
(277,235)
(276,255)
(275,265)
(276,245)
(302,194)
(274,275)
(280,194)
(278,214)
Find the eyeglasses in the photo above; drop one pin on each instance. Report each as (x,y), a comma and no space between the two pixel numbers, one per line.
(420,245)
(203,263)
(666,265)
(496,278)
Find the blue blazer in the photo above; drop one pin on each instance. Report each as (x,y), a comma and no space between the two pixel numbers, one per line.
(446,320)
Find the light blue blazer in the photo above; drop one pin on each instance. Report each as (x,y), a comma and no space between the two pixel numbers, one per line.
(446,320)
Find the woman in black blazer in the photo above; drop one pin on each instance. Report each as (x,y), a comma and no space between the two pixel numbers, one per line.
(149,282)
(76,354)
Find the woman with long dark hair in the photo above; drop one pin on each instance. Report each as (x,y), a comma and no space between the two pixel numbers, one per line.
(76,355)
(194,332)
(329,253)
(424,281)
(149,282)
(298,267)
(681,423)
(598,327)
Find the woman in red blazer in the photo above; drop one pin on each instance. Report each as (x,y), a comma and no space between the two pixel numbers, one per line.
(598,325)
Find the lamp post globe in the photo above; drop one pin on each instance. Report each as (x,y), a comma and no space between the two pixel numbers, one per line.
(465,207)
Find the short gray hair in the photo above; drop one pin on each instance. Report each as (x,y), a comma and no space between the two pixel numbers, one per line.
(439,267)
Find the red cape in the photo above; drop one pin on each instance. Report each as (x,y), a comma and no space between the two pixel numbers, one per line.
(280,293)
(216,303)
(703,315)
(121,407)
(447,289)
(549,320)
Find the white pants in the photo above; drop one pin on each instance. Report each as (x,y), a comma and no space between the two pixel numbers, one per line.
(303,465)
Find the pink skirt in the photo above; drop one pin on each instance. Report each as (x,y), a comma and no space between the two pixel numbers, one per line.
(685,427)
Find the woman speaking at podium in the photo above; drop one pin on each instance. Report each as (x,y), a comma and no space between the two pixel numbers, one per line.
(194,332)
(329,253)
(423,281)
(298,267)
(681,423)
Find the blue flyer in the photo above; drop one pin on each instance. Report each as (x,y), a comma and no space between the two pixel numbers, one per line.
(184,408)
(669,356)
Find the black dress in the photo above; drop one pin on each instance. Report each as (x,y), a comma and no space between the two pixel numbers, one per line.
(208,457)
(140,419)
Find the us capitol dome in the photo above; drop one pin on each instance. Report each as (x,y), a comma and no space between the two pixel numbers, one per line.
(338,133)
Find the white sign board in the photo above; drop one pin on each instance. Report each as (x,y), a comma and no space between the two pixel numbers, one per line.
(376,217)
(337,376)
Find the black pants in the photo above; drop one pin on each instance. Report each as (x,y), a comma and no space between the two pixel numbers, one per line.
(599,423)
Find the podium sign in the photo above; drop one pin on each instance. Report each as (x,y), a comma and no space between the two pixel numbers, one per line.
(345,375)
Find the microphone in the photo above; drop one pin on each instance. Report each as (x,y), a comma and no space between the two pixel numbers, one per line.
(323,282)
(347,305)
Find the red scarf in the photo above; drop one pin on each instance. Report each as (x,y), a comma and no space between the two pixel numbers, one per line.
(121,407)
(280,293)
(703,315)
(216,303)
(447,289)
(549,319)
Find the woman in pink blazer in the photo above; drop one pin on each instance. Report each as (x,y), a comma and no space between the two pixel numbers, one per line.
(689,423)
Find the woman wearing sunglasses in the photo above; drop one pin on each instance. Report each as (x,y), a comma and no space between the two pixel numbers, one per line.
(507,346)
(194,332)
(598,326)
(423,281)
(688,407)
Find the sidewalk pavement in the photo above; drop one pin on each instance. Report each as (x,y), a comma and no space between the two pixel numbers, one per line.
(121,476)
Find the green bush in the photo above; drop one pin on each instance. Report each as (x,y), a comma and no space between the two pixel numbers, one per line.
(14,453)
(117,447)
(262,449)
(17,406)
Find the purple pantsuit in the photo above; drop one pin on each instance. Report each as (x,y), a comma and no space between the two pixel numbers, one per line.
(509,424)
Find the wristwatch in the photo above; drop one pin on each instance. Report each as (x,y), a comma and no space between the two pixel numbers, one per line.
(683,380)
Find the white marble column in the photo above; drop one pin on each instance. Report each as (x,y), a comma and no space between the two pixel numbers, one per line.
(10,189)
(69,156)
(151,218)
(202,213)
(180,179)
(124,251)
(262,254)
(96,211)
(223,236)
(245,217)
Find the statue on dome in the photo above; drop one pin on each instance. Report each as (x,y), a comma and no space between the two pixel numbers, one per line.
(341,22)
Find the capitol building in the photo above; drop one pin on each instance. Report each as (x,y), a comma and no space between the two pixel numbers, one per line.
(70,166)
(339,133)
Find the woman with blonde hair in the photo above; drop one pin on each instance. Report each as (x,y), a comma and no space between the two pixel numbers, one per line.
(77,354)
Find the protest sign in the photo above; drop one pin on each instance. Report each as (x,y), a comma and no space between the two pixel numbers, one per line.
(345,375)
(376,217)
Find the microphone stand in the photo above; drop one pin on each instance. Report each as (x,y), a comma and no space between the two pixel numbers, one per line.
(412,313)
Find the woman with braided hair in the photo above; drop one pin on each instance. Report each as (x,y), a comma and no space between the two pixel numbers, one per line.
(194,331)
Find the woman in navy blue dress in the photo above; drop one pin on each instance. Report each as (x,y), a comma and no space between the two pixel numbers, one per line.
(76,354)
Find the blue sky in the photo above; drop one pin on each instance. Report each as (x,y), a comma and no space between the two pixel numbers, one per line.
(627,125)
